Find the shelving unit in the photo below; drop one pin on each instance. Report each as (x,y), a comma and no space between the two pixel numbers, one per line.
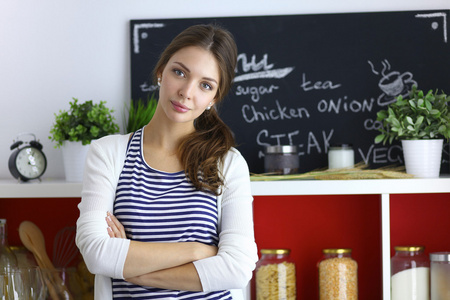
(382,187)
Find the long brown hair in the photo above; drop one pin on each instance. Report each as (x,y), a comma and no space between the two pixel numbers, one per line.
(201,151)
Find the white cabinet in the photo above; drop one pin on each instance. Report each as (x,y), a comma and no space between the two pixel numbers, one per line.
(382,187)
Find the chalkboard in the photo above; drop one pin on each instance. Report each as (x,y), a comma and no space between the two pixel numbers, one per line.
(314,80)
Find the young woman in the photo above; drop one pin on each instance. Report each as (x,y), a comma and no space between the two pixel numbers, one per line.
(166,211)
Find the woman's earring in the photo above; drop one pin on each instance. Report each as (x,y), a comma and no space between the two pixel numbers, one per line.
(159,81)
(209,106)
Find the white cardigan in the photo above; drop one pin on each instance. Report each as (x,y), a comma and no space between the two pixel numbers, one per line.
(230,269)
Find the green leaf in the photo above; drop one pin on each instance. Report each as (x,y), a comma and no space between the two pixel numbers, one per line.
(409,120)
(379,138)
(419,121)
(395,123)
(434,112)
(381,115)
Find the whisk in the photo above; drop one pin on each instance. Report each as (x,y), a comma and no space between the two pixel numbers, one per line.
(64,249)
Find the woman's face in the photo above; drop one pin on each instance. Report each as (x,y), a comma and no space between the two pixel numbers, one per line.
(189,84)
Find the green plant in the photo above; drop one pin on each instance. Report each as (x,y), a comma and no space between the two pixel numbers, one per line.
(83,122)
(140,113)
(420,116)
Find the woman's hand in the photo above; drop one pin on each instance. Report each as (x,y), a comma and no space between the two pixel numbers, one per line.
(115,228)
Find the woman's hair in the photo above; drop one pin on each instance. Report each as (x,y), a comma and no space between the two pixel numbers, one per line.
(201,151)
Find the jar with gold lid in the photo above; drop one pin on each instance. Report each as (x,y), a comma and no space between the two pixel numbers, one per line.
(338,275)
(410,271)
(275,276)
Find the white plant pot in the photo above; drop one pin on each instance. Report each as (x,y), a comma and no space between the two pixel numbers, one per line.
(74,157)
(423,157)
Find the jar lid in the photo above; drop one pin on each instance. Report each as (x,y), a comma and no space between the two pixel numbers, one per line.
(281,149)
(409,248)
(341,145)
(337,251)
(275,251)
(440,256)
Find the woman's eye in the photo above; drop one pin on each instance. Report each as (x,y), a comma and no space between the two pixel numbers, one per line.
(178,72)
(206,86)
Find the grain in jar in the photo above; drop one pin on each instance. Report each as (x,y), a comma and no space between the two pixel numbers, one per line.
(338,275)
(275,275)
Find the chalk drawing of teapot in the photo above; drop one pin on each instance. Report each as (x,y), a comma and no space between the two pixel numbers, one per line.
(392,84)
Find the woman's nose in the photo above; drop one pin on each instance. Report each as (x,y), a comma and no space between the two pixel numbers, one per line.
(186,90)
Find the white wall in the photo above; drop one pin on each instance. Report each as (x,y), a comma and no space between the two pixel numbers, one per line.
(51,51)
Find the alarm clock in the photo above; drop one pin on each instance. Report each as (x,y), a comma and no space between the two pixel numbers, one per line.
(27,161)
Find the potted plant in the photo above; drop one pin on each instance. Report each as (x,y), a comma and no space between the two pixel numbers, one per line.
(421,123)
(74,130)
(140,113)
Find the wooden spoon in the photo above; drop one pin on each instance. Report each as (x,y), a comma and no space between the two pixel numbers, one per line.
(33,239)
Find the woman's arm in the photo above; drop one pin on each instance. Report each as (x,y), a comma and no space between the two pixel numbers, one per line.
(184,277)
(144,257)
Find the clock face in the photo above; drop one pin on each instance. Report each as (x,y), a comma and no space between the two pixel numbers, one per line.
(30,162)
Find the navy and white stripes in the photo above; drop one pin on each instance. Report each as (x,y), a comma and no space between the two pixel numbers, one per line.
(156,206)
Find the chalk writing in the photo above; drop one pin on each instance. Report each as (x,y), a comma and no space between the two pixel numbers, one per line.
(318,85)
(382,155)
(251,114)
(145,87)
(343,104)
(312,143)
(259,70)
(255,91)
(370,124)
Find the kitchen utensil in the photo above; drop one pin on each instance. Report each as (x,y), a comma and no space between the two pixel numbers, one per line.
(64,249)
(33,239)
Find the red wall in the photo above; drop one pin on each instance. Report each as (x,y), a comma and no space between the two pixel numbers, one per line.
(308,224)
(421,220)
(50,215)
(305,224)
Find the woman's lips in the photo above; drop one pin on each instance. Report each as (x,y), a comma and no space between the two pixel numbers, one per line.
(179,107)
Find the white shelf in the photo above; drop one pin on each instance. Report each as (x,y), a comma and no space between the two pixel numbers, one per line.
(49,188)
(352,187)
(39,189)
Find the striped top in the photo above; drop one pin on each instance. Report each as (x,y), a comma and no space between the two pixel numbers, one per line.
(156,206)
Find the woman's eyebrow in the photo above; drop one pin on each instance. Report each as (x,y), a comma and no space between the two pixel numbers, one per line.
(189,71)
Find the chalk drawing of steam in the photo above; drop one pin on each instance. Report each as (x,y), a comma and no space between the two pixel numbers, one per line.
(392,83)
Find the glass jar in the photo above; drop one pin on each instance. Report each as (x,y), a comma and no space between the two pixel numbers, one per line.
(338,275)
(25,258)
(8,260)
(341,156)
(440,275)
(410,271)
(275,276)
(281,160)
